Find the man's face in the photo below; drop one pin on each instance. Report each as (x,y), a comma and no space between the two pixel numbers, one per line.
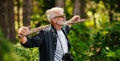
(59,19)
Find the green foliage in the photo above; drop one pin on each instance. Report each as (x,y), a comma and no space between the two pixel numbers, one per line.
(80,41)
(95,44)
(107,43)
(26,54)
(68,11)
(6,51)
(110,4)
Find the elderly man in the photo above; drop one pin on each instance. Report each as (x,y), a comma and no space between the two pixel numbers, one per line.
(52,41)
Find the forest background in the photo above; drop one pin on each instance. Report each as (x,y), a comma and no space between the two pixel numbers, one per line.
(96,39)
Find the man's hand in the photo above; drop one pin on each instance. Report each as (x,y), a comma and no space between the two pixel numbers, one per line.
(74,19)
(22,33)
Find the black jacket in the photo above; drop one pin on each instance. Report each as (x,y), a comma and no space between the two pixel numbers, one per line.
(46,40)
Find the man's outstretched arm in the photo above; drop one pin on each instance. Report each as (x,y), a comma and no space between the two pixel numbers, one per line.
(74,19)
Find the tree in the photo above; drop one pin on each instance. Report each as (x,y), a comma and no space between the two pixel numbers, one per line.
(27,11)
(18,12)
(7,19)
(79,8)
(76,10)
(60,3)
(82,8)
(112,7)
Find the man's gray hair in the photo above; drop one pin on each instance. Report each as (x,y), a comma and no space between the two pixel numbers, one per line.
(51,13)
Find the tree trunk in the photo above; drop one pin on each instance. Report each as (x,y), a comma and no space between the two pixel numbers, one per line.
(82,8)
(3,17)
(27,11)
(60,3)
(7,19)
(76,10)
(110,16)
(79,8)
(18,13)
(12,34)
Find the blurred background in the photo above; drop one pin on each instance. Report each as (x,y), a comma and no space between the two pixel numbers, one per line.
(96,39)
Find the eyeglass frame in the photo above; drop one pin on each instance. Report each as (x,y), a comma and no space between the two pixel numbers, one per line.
(60,16)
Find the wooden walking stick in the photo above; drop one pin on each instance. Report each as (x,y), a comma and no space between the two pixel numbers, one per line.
(38,29)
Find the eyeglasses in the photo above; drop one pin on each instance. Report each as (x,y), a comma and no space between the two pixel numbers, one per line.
(60,16)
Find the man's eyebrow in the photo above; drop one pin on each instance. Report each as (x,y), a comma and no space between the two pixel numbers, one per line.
(59,16)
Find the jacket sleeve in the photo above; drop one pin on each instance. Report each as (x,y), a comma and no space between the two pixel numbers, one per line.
(35,41)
